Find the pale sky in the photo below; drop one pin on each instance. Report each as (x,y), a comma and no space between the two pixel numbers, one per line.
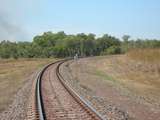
(21,20)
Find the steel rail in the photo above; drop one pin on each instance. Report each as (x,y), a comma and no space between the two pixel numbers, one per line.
(78,98)
(39,99)
(74,94)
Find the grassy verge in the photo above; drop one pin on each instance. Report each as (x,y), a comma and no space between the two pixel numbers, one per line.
(145,55)
(136,73)
(104,75)
(13,74)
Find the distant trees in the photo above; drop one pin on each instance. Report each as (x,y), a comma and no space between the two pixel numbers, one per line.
(62,45)
(8,49)
(112,50)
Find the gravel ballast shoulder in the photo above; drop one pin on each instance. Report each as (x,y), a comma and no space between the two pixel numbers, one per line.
(108,98)
(17,110)
(109,111)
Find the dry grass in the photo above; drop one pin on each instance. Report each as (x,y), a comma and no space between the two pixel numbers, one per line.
(13,74)
(149,59)
(138,72)
(145,55)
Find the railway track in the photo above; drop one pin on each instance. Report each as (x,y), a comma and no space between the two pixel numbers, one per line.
(56,100)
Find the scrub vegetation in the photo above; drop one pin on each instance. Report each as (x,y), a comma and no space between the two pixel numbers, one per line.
(14,74)
(145,55)
(137,72)
(62,45)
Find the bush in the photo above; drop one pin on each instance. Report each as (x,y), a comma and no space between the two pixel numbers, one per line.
(111,50)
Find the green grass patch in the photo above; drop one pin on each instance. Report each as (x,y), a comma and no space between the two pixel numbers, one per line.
(104,75)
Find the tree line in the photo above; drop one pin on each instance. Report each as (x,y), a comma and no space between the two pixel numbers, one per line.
(62,45)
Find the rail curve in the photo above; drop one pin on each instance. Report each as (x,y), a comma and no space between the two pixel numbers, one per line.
(82,102)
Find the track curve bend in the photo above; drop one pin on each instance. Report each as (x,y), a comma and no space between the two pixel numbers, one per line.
(56,100)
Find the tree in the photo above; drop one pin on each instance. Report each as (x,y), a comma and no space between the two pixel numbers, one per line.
(112,50)
(62,45)
(8,49)
(105,42)
(125,45)
(125,38)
